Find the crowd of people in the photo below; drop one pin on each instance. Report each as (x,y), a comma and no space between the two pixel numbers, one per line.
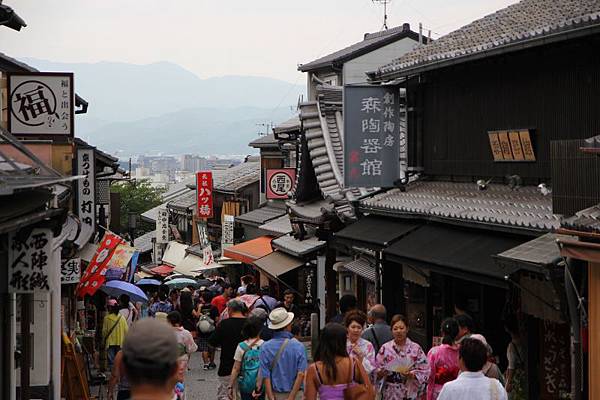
(358,356)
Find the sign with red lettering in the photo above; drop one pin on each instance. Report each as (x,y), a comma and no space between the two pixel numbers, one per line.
(204,198)
(280,182)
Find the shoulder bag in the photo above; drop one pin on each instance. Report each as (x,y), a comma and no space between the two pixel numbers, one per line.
(355,390)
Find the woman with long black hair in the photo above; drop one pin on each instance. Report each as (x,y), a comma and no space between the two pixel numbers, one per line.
(443,359)
(334,371)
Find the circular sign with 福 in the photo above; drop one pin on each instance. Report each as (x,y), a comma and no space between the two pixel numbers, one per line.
(280,182)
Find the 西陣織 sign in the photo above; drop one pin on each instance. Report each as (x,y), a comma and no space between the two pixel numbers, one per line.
(86,200)
(280,182)
(371,136)
(28,258)
(162,226)
(70,271)
(41,103)
(227,230)
(204,188)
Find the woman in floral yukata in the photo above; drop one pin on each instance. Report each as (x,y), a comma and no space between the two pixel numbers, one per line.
(402,365)
(356,346)
(443,359)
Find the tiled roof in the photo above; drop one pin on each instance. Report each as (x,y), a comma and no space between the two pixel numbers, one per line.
(144,243)
(298,248)
(371,41)
(267,141)
(261,215)
(292,124)
(587,220)
(228,180)
(278,226)
(524,208)
(323,128)
(525,21)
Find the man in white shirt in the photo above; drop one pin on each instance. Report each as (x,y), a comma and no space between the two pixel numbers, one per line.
(471,383)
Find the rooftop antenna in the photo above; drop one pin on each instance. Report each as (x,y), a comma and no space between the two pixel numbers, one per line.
(385,3)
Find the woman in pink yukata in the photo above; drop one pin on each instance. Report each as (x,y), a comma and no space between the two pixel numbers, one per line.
(443,359)
(402,366)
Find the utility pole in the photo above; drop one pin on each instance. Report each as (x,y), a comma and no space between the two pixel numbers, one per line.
(385,3)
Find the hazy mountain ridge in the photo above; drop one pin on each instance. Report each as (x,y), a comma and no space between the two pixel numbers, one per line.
(162,106)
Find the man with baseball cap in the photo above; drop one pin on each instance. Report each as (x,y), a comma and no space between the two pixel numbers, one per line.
(282,359)
(149,359)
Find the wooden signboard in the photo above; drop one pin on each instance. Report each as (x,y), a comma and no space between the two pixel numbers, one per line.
(555,361)
(513,145)
(74,380)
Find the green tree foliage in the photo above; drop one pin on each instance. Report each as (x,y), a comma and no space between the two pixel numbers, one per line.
(137,197)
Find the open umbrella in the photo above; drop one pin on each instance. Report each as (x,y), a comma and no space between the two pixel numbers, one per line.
(117,288)
(148,282)
(179,283)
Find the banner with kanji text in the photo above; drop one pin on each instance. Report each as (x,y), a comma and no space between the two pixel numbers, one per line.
(204,197)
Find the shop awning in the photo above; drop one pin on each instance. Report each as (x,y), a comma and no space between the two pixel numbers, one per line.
(162,270)
(534,255)
(375,232)
(362,267)
(250,251)
(466,254)
(174,253)
(193,265)
(278,263)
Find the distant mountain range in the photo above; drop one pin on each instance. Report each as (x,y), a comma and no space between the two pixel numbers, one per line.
(136,109)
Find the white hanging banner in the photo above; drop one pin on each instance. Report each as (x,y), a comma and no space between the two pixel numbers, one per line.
(86,195)
(162,226)
(28,258)
(227,231)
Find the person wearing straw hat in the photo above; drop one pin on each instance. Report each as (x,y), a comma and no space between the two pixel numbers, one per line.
(282,359)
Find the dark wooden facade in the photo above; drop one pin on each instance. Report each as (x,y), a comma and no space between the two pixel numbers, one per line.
(553,90)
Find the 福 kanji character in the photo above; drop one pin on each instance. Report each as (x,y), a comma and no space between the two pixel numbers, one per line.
(33,103)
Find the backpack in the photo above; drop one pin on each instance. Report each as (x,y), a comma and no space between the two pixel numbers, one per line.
(250,367)
(205,324)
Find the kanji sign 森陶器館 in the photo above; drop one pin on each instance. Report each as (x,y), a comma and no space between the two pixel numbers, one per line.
(41,103)
(280,182)
(371,136)
(28,261)
(204,197)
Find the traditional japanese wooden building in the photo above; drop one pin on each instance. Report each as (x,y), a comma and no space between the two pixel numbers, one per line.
(472,226)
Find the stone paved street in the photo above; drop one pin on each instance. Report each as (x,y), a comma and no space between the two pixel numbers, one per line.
(200,384)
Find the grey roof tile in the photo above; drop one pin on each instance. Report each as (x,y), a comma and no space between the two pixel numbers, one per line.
(587,220)
(266,141)
(523,21)
(371,41)
(261,215)
(281,225)
(298,248)
(524,208)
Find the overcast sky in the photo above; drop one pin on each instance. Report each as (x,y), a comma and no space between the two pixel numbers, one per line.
(219,37)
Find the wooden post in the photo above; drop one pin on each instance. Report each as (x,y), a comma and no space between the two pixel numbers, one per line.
(594,330)
(26,300)
(330,283)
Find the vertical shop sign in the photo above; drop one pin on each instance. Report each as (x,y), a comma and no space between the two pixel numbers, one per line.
(207,256)
(227,231)
(372,136)
(162,226)
(70,271)
(28,258)
(41,103)
(204,198)
(86,205)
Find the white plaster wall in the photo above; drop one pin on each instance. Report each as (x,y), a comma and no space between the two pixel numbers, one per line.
(354,70)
